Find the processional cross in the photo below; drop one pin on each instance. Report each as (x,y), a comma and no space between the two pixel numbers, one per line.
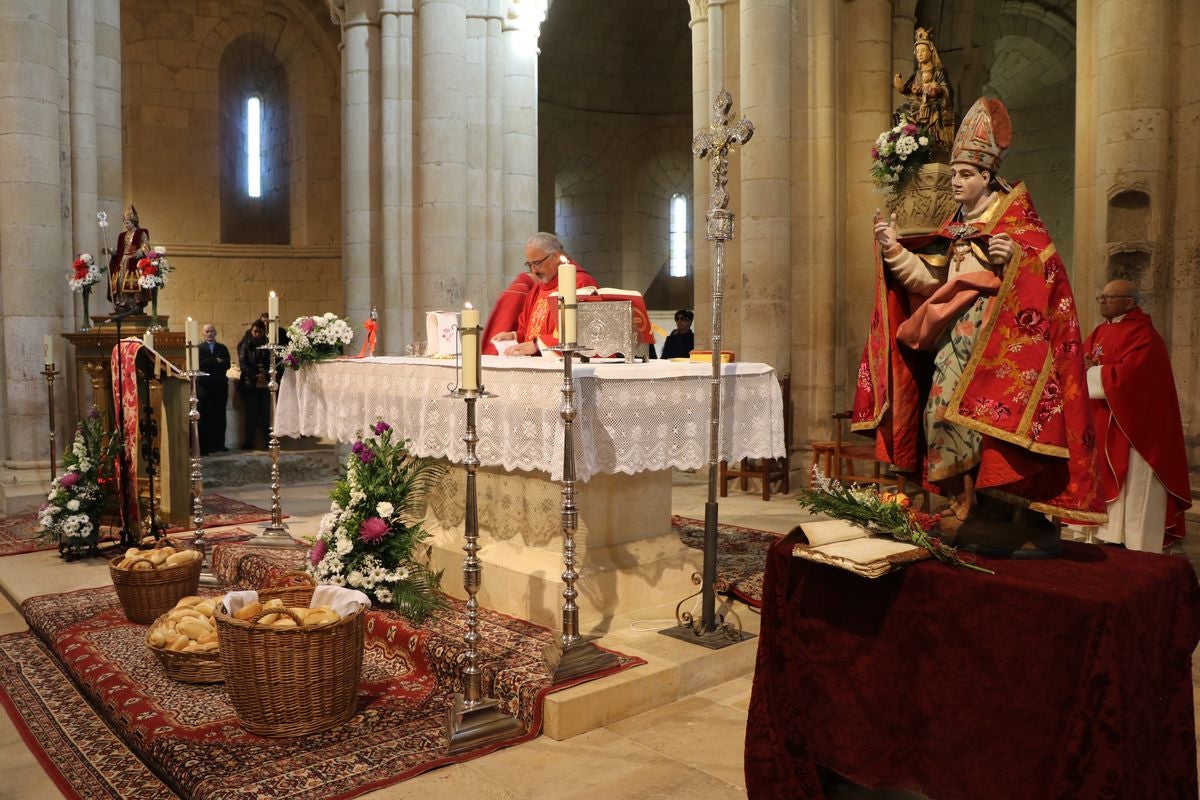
(714,144)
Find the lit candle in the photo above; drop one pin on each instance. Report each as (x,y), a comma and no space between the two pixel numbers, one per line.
(148,340)
(468,326)
(192,345)
(272,317)
(566,294)
(48,350)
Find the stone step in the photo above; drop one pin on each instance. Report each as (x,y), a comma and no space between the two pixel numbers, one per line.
(253,467)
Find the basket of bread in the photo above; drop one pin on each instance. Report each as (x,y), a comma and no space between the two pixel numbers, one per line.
(150,582)
(292,656)
(185,641)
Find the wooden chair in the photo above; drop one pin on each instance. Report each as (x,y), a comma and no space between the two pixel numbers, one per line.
(765,470)
(837,459)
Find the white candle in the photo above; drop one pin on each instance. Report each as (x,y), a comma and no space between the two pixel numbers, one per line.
(272,317)
(566,294)
(191,358)
(468,325)
(148,340)
(48,349)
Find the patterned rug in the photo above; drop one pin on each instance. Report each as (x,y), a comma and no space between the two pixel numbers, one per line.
(97,740)
(741,555)
(19,534)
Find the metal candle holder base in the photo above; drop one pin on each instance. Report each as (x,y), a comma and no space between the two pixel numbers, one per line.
(571,655)
(275,533)
(473,719)
(206,576)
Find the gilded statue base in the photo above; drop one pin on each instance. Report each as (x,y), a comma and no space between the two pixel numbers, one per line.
(925,202)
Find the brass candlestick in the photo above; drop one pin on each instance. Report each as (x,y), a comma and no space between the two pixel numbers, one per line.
(474,719)
(206,576)
(275,533)
(571,655)
(50,373)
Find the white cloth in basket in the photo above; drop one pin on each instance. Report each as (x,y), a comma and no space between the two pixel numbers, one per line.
(342,600)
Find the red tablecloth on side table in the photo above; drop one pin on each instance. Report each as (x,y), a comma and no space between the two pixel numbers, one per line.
(1062,678)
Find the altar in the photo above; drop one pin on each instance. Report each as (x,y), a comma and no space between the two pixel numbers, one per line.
(634,424)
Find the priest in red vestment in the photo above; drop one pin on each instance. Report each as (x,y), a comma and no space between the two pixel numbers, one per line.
(1143,461)
(538,318)
(507,310)
(973,377)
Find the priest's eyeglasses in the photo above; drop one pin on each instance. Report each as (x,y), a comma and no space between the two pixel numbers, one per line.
(532,264)
(1103,297)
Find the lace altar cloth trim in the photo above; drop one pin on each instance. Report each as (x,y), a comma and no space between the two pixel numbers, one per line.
(630,417)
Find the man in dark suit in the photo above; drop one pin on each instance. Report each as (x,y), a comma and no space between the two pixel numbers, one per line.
(212,392)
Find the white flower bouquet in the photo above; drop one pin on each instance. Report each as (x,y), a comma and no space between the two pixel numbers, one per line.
(316,338)
(154,269)
(85,272)
(71,516)
(897,154)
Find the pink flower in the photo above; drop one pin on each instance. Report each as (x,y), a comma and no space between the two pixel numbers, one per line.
(69,479)
(318,552)
(307,324)
(372,530)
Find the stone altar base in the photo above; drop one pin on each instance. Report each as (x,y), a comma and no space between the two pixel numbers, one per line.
(627,556)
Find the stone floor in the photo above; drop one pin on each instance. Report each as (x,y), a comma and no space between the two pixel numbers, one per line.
(687,748)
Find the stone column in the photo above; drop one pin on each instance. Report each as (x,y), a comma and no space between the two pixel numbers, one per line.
(764,228)
(479,104)
(497,271)
(34,242)
(360,160)
(108,113)
(519,125)
(818,249)
(396,245)
(904,22)
(441,155)
(867,31)
(701,181)
(81,20)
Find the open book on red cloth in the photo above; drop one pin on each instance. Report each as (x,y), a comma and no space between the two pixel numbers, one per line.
(854,548)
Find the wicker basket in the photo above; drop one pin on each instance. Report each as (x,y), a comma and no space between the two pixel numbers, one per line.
(291,681)
(149,593)
(187,667)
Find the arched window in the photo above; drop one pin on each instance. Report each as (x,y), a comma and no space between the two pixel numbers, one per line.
(255,145)
(679,236)
(254,117)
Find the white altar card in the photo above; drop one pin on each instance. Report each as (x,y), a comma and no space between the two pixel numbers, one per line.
(441,331)
(854,548)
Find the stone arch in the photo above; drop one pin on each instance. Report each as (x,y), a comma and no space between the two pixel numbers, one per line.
(1129,216)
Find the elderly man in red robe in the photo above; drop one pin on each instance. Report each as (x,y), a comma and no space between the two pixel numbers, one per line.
(1143,461)
(973,376)
(538,320)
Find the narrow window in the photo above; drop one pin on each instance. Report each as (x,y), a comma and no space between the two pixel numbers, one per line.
(679,236)
(254,146)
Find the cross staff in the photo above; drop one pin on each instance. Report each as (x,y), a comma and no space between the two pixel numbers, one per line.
(714,143)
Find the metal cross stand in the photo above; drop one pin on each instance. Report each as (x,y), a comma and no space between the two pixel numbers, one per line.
(473,719)
(275,533)
(206,576)
(709,630)
(571,655)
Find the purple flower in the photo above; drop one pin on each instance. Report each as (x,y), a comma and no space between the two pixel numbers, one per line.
(307,324)
(372,530)
(291,360)
(366,456)
(910,129)
(380,427)
(69,479)
(358,447)
(318,551)
(94,414)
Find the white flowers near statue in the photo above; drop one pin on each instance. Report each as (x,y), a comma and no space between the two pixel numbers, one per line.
(316,338)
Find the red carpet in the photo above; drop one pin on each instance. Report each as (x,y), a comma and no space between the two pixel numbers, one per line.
(19,534)
(189,735)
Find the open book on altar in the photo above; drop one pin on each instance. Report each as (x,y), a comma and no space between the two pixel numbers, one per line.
(854,548)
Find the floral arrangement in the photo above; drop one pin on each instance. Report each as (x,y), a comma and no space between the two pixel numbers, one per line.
(84,272)
(898,153)
(71,516)
(316,339)
(368,539)
(889,513)
(154,269)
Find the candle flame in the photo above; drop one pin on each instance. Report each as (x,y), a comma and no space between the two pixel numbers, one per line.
(468,305)
(562,259)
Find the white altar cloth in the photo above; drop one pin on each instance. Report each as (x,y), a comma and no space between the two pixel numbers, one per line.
(630,417)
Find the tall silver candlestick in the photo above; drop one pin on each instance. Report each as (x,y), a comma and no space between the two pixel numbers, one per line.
(571,655)
(474,719)
(206,576)
(275,533)
(50,372)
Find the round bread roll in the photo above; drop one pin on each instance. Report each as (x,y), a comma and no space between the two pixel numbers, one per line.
(205,608)
(317,616)
(193,628)
(141,565)
(157,638)
(190,600)
(284,621)
(269,619)
(180,558)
